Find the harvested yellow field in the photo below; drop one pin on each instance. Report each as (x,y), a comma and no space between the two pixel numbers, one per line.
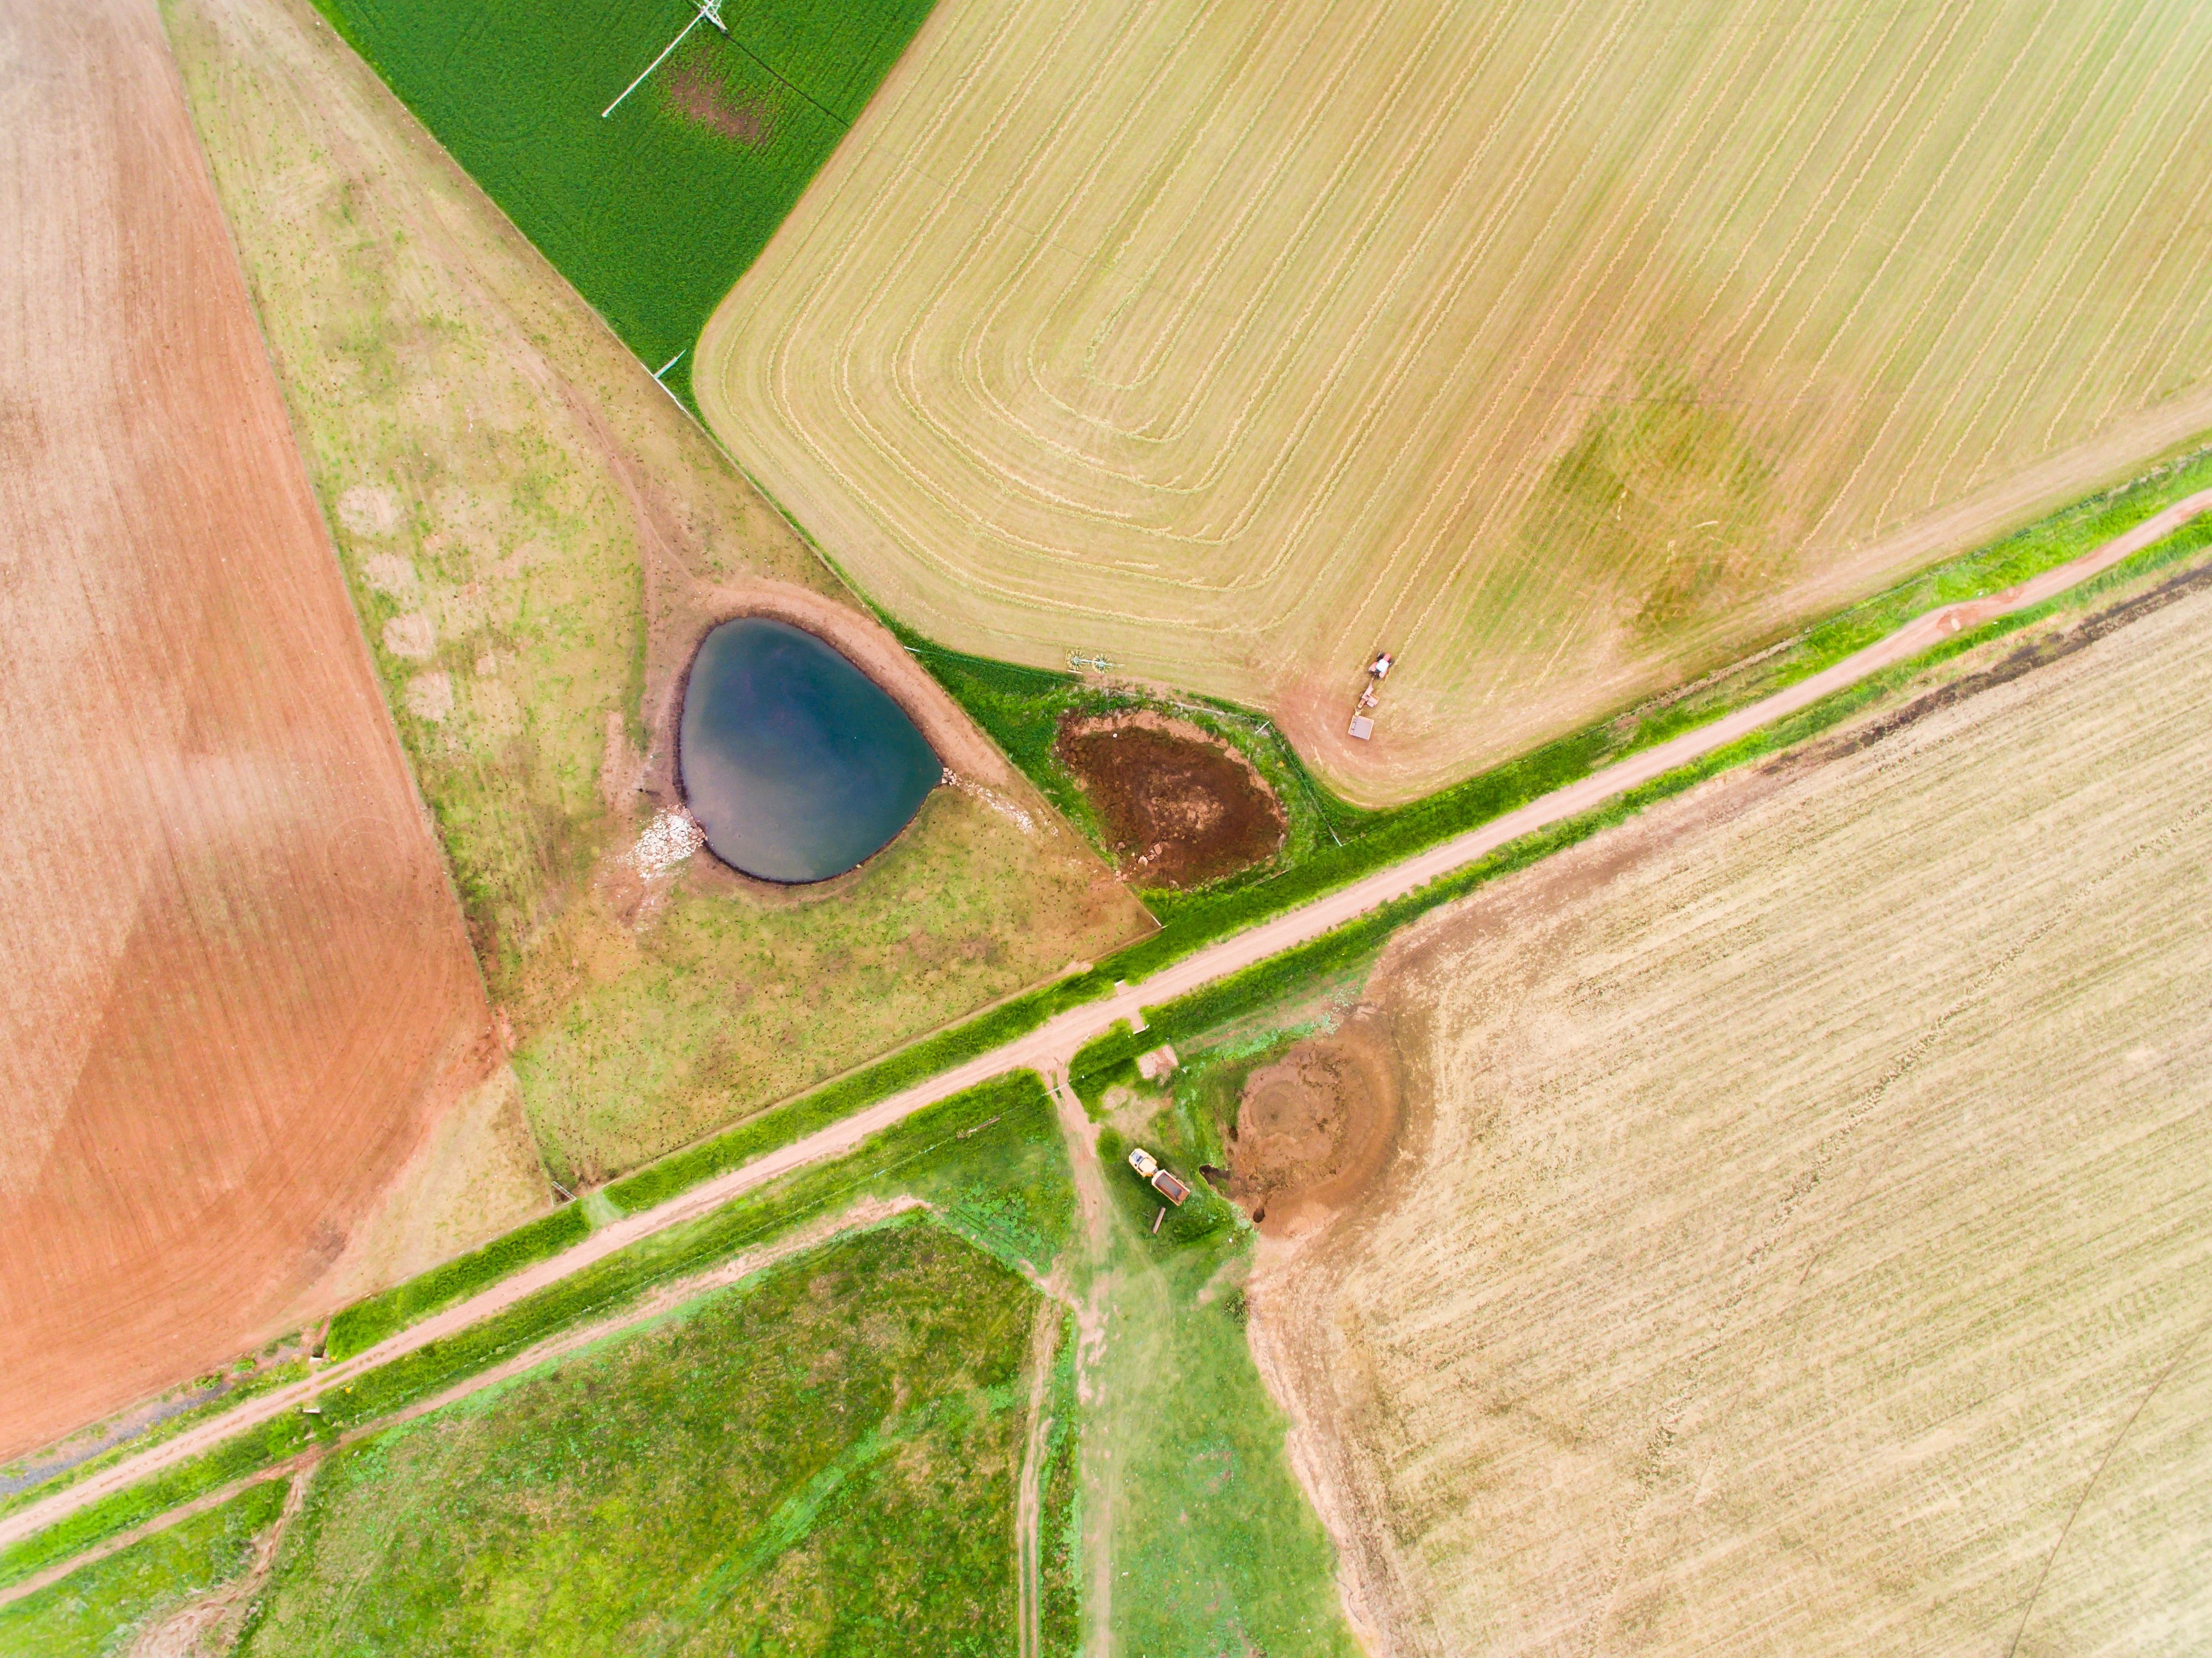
(1801,1229)
(1567,350)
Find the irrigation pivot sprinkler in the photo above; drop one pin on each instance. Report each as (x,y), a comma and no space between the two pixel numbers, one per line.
(709,11)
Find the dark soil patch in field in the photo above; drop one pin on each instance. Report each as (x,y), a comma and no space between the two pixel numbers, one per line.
(1178,807)
(698,96)
(1314,1129)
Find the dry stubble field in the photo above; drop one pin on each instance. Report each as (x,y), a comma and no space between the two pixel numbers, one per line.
(1800,1235)
(238,993)
(1568,350)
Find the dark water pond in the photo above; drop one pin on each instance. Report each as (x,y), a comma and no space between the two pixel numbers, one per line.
(797,765)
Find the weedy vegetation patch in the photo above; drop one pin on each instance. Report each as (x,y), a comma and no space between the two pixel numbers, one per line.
(101,1609)
(822,1459)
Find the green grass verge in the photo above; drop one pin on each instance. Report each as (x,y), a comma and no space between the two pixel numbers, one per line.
(821,1459)
(243,1386)
(1215,1547)
(365,1323)
(1333,843)
(655,210)
(834,1101)
(251,1453)
(100,1609)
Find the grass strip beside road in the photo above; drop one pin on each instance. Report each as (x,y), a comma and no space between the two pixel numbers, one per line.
(780,1124)
(93,1611)
(369,1321)
(1003,1222)
(242,1387)
(365,1323)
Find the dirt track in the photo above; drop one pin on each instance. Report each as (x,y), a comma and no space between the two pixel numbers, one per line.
(237,989)
(1046,1048)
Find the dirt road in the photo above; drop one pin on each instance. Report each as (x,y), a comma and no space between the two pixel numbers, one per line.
(1048,1048)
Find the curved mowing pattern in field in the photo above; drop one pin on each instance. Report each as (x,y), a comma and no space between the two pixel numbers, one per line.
(651,211)
(1567,350)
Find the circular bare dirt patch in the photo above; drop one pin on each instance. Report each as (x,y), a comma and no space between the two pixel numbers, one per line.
(1179,807)
(1314,1129)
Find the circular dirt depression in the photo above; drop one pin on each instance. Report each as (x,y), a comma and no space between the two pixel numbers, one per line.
(1179,807)
(1314,1129)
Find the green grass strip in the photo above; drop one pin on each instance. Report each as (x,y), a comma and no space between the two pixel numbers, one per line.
(242,1388)
(608,1284)
(365,1323)
(249,1453)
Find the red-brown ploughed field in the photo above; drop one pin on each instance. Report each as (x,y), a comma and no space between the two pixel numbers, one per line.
(236,986)
(1179,808)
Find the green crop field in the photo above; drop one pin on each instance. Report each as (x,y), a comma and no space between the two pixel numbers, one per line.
(653,211)
(822,1459)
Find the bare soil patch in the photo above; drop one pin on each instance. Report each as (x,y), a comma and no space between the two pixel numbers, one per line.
(238,990)
(209,1627)
(697,95)
(1179,808)
(1317,1127)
